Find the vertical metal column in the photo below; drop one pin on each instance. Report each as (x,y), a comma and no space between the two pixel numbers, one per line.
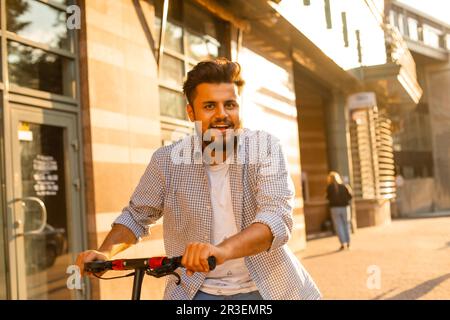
(162,32)
(137,284)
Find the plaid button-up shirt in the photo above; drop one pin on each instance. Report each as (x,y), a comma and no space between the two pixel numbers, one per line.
(175,185)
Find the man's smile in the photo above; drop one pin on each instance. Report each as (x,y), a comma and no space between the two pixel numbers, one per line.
(221,127)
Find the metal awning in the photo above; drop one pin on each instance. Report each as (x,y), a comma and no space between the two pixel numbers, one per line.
(278,39)
(400,87)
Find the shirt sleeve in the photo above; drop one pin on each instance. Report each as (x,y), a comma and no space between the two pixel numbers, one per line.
(275,195)
(147,201)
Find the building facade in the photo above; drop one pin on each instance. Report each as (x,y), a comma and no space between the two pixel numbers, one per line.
(84,109)
(353,133)
(421,135)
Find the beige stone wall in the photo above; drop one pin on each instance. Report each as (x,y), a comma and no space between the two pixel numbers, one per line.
(124,121)
(311,105)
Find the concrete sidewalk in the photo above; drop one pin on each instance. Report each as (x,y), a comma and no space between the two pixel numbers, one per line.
(409,257)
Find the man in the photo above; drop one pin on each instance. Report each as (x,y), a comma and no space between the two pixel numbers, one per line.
(224,192)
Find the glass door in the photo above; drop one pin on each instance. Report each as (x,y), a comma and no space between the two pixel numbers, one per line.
(45,210)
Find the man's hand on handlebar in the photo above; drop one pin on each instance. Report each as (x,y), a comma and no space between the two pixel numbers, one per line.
(196,254)
(88,256)
(195,257)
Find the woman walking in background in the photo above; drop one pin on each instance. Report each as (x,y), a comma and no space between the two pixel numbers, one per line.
(339,196)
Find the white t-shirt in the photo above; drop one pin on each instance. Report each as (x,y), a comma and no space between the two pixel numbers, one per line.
(231,277)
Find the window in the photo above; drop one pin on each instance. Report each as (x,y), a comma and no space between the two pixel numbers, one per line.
(40,70)
(173,103)
(174,38)
(40,48)
(401,23)
(413,28)
(191,35)
(172,71)
(200,48)
(344,28)
(431,36)
(328,14)
(39,22)
(393,18)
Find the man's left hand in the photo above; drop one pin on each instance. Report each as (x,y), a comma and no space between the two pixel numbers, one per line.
(196,254)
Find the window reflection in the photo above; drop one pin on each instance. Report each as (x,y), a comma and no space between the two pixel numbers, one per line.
(431,36)
(393,18)
(172,103)
(37,69)
(200,21)
(401,23)
(172,71)
(174,37)
(66,2)
(201,48)
(413,29)
(38,22)
(191,35)
(196,47)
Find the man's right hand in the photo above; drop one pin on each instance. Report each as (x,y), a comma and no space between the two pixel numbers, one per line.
(117,240)
(88,256)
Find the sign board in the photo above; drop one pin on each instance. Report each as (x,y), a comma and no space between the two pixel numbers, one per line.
(24,132)
(45,175)
(362,100)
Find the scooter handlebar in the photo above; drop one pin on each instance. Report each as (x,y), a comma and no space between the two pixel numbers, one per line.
(144,263)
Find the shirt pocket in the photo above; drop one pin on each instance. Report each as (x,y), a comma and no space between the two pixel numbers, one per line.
(175,209)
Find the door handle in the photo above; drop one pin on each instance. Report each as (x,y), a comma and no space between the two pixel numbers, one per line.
(41,228)
(76,184)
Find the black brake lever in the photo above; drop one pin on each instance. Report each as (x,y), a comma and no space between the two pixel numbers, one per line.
(166,270)
(159,274)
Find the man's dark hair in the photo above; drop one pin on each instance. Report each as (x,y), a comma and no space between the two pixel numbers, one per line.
(220,70)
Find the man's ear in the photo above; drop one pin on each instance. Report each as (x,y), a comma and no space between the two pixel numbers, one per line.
(190,112)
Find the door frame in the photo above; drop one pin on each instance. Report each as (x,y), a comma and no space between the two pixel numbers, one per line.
(76,234)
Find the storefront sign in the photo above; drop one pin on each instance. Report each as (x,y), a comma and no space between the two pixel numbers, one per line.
(24,133)
(45,174)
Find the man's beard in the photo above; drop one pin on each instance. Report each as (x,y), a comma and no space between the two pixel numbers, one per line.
(217,138)
(213,140)
(220,148)
(221,141)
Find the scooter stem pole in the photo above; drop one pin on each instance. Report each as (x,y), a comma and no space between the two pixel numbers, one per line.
(137,284)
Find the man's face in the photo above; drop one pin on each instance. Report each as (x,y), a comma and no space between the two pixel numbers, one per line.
(216,106)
